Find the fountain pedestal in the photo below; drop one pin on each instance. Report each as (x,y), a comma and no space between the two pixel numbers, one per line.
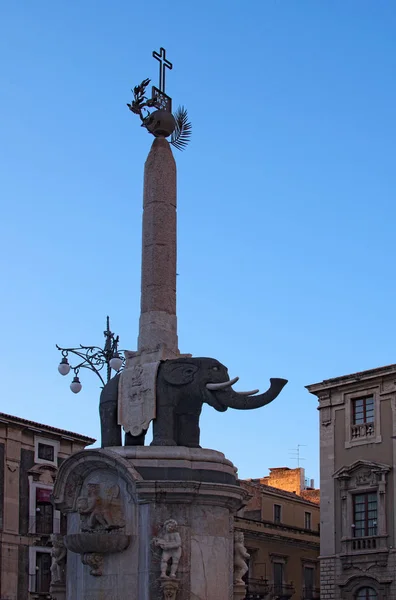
(149,522)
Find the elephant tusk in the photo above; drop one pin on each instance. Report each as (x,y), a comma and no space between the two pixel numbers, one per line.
(248,393)
(221,386)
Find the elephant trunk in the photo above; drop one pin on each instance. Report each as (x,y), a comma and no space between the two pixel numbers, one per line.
(232,399)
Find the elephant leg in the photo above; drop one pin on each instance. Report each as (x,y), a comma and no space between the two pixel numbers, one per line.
(111,431)
(188,431)
(164,427)
(135,440)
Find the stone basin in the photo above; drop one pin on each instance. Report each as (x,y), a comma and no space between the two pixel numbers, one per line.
(101,543)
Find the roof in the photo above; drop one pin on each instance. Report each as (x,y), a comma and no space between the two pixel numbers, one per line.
(44,428)
(292,495)
(377,372)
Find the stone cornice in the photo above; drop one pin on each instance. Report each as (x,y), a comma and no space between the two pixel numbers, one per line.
(175,492)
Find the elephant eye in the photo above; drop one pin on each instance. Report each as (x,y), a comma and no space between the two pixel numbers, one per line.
(215,368)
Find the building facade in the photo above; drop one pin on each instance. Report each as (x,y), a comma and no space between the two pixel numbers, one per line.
(30,455)
(281,531)
(357,484)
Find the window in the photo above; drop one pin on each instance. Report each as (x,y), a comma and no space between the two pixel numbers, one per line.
(366,593)
(44,512)
(278,578)
(363,410)
(309,582)
(277,513)
(365,515)
(43,572)
(362,417)
(46,452)
(307,520)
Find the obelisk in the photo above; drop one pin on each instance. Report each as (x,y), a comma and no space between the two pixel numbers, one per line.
(157,339)
(158,322)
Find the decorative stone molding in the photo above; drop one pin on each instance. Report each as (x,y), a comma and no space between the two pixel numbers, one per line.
(240,554)
(325,416)
(280,558)
(44,473)
(73,472)
(95,563)
(362,476)
(213,494)
(169,588)
(170,543)
(239,591)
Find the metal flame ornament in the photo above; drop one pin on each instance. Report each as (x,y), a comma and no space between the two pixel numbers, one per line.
(161,122)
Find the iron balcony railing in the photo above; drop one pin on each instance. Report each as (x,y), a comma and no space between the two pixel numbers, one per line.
(257,589)
(260,589)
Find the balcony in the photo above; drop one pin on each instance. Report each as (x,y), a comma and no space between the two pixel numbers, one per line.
(362,431)
(311,593)
(259,589)
(282,592)
(365,544)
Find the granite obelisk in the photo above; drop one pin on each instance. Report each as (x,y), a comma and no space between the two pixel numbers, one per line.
(158,324)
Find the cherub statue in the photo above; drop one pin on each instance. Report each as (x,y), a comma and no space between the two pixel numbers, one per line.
(58,554)
(170,544)
(240,553)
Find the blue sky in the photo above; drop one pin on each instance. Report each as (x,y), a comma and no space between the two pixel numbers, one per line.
(286,199)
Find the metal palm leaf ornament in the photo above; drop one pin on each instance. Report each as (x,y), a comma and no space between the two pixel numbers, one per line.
(161,122)
(181,135)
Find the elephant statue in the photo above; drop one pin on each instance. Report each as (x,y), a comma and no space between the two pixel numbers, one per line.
(182,386)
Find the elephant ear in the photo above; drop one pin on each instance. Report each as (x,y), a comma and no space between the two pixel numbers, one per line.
(179,373)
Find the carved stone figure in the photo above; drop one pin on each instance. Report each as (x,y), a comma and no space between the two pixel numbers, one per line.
(169,588)
(95,562)
(170,543)
(58,554)
(240,553)
(182,386)
(101,508)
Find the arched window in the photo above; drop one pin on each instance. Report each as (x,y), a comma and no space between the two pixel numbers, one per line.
(366,593)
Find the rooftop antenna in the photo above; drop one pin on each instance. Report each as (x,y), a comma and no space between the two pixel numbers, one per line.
(296,453)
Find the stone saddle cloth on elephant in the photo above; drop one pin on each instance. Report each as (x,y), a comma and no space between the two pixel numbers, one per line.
(137,397)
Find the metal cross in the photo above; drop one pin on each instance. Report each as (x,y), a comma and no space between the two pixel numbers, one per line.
(163,64)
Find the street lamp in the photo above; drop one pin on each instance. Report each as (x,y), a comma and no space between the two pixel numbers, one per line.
(93,358)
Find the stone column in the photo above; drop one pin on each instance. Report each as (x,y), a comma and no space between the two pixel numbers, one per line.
(158,327)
